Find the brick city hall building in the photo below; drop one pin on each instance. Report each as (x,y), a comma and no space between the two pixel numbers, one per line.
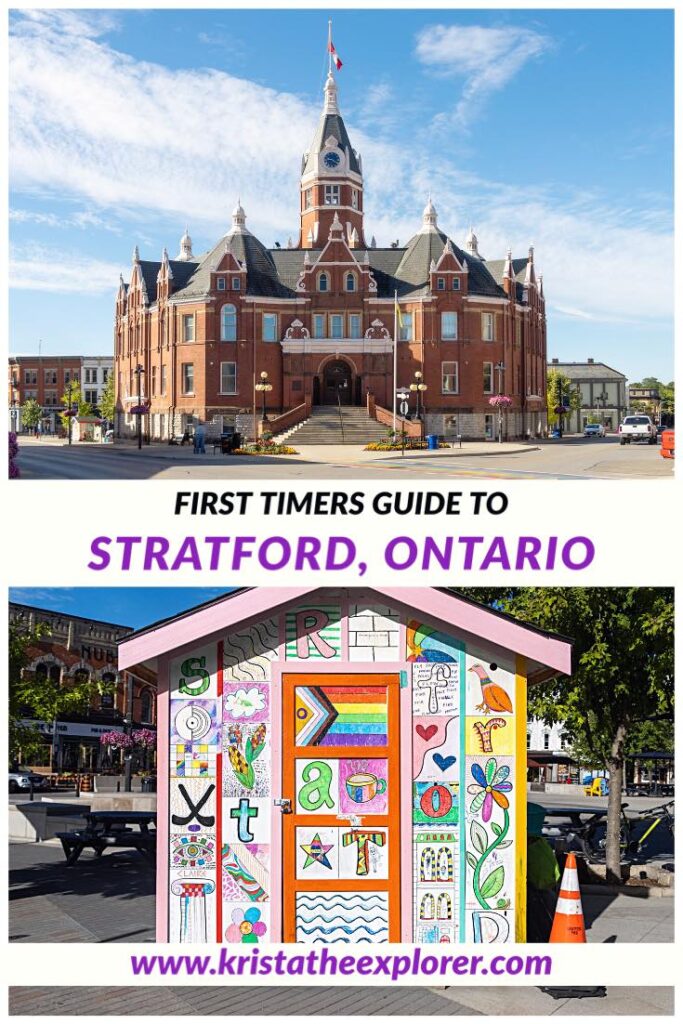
(194,335)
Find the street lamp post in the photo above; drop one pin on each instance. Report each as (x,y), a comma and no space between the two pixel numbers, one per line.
(264,386)
(138,371)
(128,728)
(500,370)
(419,388)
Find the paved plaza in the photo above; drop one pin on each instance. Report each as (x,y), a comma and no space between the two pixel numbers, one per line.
(575,457)
(112,900)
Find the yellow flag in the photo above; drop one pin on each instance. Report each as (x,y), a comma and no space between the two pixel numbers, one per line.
(397,310)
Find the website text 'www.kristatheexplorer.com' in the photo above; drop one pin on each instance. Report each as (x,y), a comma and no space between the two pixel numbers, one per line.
(323,964)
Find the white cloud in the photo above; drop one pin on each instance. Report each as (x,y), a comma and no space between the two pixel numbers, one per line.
(486,58)
(140,145)
(49,269)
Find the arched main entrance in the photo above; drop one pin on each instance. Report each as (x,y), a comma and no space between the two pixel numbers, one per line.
(337,383)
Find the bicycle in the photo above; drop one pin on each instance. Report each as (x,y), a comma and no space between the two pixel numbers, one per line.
(650,815)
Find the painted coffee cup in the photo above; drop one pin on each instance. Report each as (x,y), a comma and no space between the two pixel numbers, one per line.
(364,786)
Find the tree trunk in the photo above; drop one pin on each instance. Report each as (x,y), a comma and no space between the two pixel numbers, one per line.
(615,764)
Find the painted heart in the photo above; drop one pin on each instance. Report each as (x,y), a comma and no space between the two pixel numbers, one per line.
(426,731)
(443,763)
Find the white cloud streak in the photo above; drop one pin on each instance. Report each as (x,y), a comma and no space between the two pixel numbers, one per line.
(486,58)
(138,143)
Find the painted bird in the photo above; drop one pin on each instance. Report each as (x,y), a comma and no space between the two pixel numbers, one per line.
(495,698)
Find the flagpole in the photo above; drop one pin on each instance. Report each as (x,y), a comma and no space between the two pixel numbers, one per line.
(329,46)
(395,354)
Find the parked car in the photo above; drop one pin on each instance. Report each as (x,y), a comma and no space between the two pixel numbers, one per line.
(637,428)
(594,430)
(20,781)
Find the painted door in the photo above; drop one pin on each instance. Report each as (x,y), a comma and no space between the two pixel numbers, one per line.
(341,841)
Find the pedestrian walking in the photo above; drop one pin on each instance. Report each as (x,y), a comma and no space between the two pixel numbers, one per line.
(199,439)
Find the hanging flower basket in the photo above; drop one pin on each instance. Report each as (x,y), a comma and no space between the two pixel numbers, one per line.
(69,412)
(500,401)
(140,410)
(145,738)
(561,409)
(117,740)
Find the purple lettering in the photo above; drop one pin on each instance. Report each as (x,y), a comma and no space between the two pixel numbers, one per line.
(155,549)
(587,558)
(98,549)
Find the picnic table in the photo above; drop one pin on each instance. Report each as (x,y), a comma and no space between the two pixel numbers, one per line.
(575,814)
(104,829)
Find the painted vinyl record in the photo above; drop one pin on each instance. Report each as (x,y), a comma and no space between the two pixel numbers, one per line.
(192,722)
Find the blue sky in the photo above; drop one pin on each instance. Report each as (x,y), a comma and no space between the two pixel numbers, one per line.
(122,606)
(546,127)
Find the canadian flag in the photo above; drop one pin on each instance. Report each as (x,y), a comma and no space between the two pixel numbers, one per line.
(335,55)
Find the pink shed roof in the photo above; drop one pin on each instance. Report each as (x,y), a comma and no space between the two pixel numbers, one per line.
(546,653)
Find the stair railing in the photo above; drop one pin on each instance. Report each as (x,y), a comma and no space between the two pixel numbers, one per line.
(341,418)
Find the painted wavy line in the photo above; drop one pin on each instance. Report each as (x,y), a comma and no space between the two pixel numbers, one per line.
(347,921)
(248,655)
(359,940)
(340,928)
(363,900)
(354,905)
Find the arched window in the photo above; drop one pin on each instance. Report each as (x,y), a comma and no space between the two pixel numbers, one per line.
(107,699)
(228,323)
(323,283)
(444,907)
(350,282)
(146,707)
(427,908)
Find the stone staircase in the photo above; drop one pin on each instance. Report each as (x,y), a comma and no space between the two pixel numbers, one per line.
(323,427)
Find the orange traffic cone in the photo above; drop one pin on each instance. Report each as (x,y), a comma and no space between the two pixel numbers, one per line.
(568,923)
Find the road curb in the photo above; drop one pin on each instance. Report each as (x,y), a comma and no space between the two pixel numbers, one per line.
(641,892)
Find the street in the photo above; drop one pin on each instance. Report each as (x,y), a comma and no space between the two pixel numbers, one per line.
(572,458)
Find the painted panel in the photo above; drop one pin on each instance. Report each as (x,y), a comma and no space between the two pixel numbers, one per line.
(246,872)
(340,716)
(317,786)
(248,654)
(363,785)
(250,703)
(374,633)
(436,745)
(192,909)
(489,688)
(193,806)
(435,803)
(246,759)
(246,819)
(435,898)
(248,924)
(313,633)
(195,674)
(489,835)
(435,688)
(331,916)
(428,644)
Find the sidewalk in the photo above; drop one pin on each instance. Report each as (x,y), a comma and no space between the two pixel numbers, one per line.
(338,453)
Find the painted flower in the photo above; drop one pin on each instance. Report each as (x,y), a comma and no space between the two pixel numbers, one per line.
(246,926)
(489,785)
(245,703)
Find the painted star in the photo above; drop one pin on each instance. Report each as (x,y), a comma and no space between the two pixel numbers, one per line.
(316,852)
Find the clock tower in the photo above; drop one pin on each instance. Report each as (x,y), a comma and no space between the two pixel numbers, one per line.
(331,180)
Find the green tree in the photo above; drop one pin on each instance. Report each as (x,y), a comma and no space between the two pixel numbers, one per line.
(31,413)
(108,399)
(622,685)
(561,391)
(34,696)
(74,400)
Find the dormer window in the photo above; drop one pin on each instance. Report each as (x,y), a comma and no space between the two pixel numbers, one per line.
(220,284)
(350,282)
(441,284)
(331,195)
(236,284)
(323,283)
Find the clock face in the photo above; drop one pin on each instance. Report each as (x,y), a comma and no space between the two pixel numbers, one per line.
(331,160)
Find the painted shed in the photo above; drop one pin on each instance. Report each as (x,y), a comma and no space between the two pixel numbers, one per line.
(342,765)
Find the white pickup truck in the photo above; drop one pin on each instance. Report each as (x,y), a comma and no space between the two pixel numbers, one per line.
(637,428)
